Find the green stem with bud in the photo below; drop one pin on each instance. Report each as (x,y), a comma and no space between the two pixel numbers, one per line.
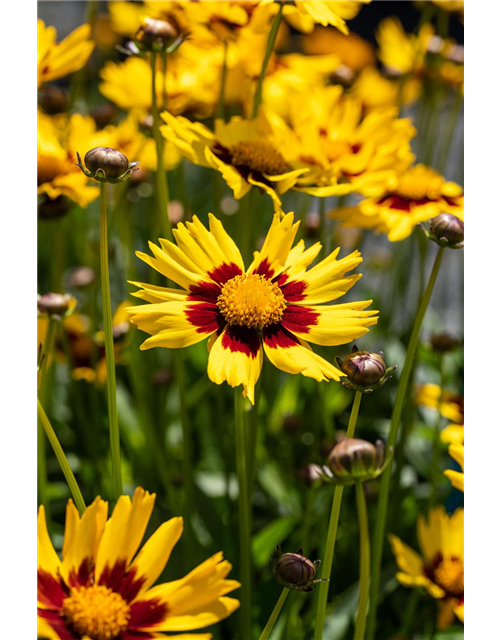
(61,458)
(161,176)
(332,534)
(364,562)
(381,518)
(114,432)
(269,49)
(274,615)
(243,516)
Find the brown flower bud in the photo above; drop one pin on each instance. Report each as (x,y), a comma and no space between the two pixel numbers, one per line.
(81,277)
(156,35)
(443,342)
(364,367)
(110,162)
(447,230)
(295,569)
(54,304)
(103,114)
(356,459)
(53,99)
(50,209)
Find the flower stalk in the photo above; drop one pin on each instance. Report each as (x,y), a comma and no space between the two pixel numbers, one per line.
(381,517)
(61,458)
(364,562)
(274,615)
(114,433)
(269,49)
(332,533)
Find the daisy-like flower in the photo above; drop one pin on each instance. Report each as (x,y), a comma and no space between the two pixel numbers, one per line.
(59,138)
(457,452)
(345,149)
(412,197)
(441,570)
(56,60)
(102,589)
(246,152)
(450,405)
(275,303)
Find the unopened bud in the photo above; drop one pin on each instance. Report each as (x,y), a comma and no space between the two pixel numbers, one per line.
(104,114)
(447,230)
(81,277)
(156,35)
(106,165)
(294,571)
(49,208)
(365,370)
(443,342)
(53,99)
(354,460)
(54,304)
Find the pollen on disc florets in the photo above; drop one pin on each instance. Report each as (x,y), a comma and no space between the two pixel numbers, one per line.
(419,183)
(258,155)
(251,301)
(449,574)
(96,612)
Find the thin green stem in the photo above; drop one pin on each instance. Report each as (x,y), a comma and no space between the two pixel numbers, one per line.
(332,534)
(269,49)
(243,518)
(161,176)
(364,562)
(381,518)
(114,433)
(187,457)
(274,615)
(221,108)
(61,458)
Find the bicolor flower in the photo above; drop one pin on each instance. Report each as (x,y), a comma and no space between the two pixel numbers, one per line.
(441,570)
(412,197)
(102,588)
(275,305)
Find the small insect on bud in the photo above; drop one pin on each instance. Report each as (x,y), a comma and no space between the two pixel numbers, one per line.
(365,370)
(53,99)
(447,231)
(355,460)
(106,165)
(56,304)
(50,209)
(156,35)
(294,571)
(81,277)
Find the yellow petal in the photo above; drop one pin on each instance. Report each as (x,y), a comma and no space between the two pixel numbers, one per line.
(48,560)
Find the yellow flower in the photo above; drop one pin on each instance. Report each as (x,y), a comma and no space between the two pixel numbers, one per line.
(353,51)
(451,406)
(275,302)
(345,150)
(378,92)
(399,51)
(59,138)
(101,589)
(441,570)
(56,60)
(246,152)
(412,197)
(304,14)
(456,478)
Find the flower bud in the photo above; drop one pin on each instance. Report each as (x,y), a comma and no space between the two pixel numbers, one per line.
(49,208)
(294,571)
(310,474)
(447,230)
(54,304)
(156,35)
(365,370)
(355,460)
(81,277)
(106,165)
(443,342)
(53,99)
(146,125)
(103,114)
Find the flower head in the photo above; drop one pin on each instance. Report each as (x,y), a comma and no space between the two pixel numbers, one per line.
(56,304)
(441,570)
(447,230)
(353,460)
(365,371)
(294,571)
(275,303)
(56,60)
(102,588)
(156,35)
(106,165)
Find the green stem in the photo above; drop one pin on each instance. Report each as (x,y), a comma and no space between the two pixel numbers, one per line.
(114,433)
(243,517)
(61,458)
(381,518)
(274,615)
(364,562)
(161,176)
(269,49)
(332,534)
(409,614)
(187,457)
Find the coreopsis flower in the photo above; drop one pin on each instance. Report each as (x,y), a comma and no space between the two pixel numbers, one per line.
(59,59)
(344,149)
(408,199)
(274,305)
(59,139)
(441,569)
(103,589)
(450,405)
(457,452)
(246,152)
